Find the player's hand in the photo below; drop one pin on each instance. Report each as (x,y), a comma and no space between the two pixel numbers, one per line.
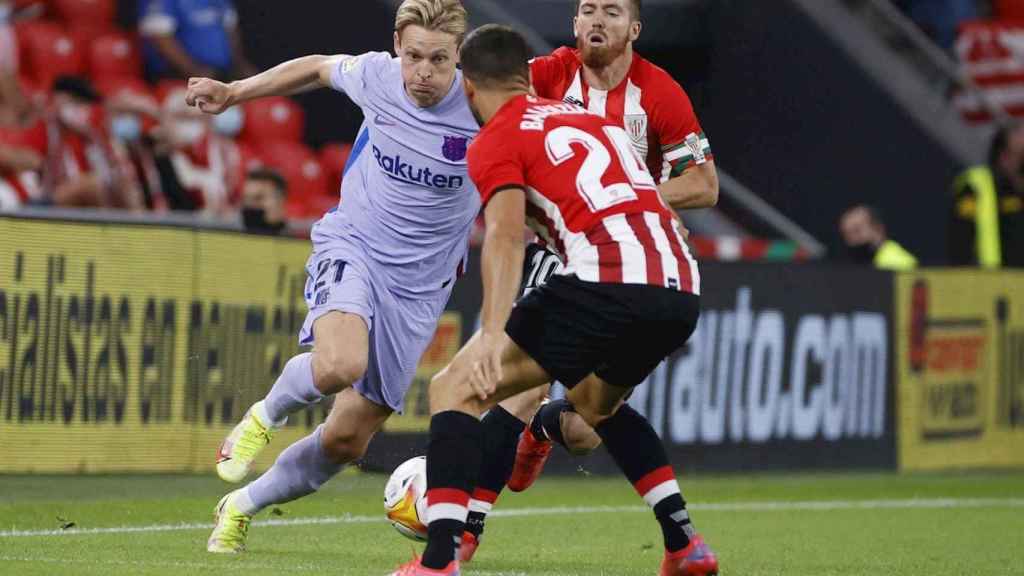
(683,230)
(486,372)
(209,95)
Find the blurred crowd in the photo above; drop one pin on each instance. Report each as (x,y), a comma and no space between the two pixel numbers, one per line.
(93,115)
(942,19)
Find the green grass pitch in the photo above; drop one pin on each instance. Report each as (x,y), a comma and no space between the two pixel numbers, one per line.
(785,525)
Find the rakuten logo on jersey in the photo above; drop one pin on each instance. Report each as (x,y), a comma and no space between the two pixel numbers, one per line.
(400,170)
(747,376)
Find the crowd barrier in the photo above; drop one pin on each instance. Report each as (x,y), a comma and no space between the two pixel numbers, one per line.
(135,348)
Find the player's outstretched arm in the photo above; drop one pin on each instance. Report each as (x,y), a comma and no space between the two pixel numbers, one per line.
(697,187)
(501,272)
(291,77)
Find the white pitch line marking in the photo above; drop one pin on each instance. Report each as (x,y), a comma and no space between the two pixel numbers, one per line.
(778,506)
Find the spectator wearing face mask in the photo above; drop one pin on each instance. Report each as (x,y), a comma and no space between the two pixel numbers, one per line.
(128,115)
(987,224)
(79,168)
(868,242)
(263,199)
(204,159)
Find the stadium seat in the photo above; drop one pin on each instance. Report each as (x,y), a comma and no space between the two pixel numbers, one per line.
(48,52)
(166,88)
(114,55)
(273,119)
(87,34)
(90,13)
(307,181)
(1009,10)
(114,85)
(333,157)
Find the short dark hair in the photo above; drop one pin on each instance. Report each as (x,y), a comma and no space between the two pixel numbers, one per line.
(265,174)
(873,212)
(636,5)
(77,87)
(495,55)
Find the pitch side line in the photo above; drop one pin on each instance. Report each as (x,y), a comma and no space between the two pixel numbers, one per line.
(779,506)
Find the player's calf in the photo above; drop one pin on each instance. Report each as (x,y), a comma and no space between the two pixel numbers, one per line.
(580,438)
(501,431)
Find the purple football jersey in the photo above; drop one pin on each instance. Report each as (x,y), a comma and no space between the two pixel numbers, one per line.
(407,199)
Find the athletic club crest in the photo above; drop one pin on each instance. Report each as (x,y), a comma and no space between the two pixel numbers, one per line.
(636,126)
(455,148)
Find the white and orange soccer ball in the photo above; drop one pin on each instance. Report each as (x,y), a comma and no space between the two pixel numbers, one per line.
(405,499)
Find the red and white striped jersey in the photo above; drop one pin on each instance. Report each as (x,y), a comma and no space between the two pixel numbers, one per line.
(589,194)
(649,104)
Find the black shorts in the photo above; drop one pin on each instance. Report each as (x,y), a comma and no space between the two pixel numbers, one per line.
(621,332)
(539,264)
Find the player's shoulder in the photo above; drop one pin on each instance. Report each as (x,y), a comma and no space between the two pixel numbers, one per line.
(562,62)
(653,79)
(564,56)
(501,132)
(372,62)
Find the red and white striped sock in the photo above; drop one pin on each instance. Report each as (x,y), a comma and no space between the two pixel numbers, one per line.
(636,448)
(482,501)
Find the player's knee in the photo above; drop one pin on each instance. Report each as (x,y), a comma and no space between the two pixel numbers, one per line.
(446,393)
(334,370)
(592,415)
(344,446)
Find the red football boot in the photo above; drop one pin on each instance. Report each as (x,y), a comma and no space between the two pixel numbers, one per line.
(468,547)
(696,559)
(531,454)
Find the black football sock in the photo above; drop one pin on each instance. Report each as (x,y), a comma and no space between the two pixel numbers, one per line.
(501,432)
(638,451)
(547,422)
(453,462)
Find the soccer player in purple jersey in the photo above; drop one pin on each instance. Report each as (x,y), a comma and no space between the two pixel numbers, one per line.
(383,262)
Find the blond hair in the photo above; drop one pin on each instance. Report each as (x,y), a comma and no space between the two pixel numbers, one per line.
(446,16)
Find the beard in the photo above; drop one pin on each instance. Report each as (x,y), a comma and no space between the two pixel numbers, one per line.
(600,56)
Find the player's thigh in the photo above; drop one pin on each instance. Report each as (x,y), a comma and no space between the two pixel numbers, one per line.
(451,389)
(351,424)
(525,404)
(341,343)
(595,400)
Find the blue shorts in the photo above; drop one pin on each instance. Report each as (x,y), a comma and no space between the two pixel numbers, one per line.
(340,279)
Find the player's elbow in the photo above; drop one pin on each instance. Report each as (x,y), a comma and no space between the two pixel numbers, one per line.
(710,192)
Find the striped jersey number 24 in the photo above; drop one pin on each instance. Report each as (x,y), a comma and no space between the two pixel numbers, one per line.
(588,182)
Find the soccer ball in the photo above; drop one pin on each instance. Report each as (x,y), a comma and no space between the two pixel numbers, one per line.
(405,499)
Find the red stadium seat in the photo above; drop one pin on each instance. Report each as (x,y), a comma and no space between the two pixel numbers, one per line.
(166,88)
(87,34)
(307,181)
(1008,10)
(91,13)
(48,52)
(298,164)
(114,85)
(115,55)
(273,119)
(333,157)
